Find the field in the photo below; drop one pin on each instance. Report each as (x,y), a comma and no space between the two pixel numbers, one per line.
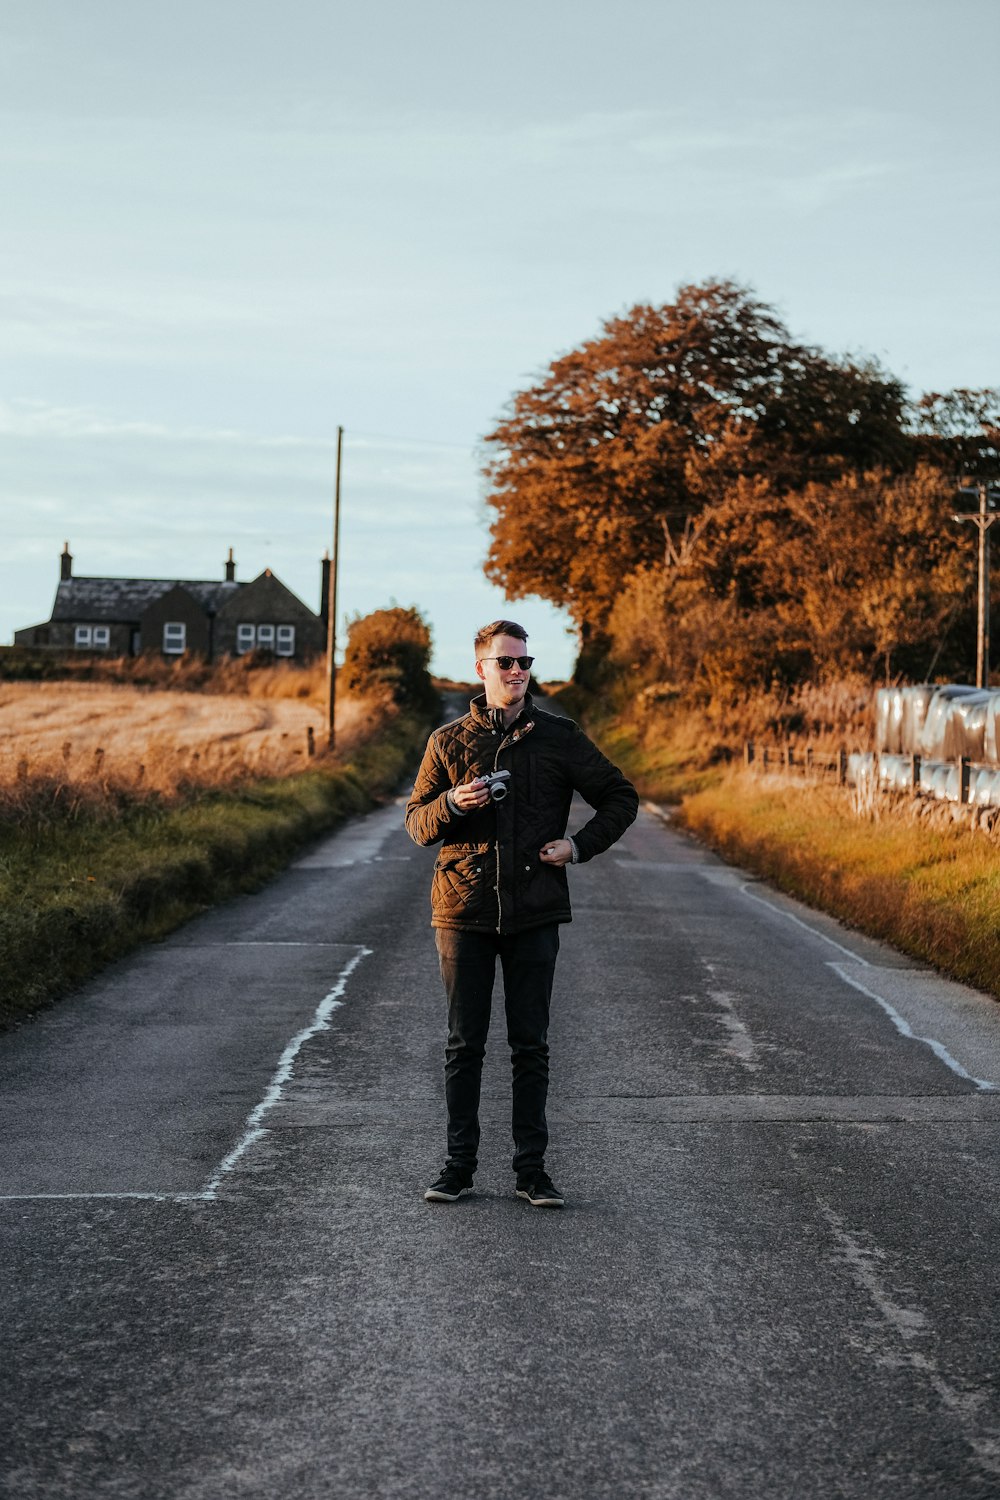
(124,810)
(87,732)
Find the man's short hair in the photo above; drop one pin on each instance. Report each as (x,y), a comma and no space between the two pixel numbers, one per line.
(499,627)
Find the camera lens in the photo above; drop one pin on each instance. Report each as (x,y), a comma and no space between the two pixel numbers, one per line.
(498,792)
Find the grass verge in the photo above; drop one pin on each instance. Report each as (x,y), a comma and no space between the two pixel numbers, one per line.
(666,755)
(933,892)
(77,893)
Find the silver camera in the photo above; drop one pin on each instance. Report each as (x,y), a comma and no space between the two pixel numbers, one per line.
(496,784)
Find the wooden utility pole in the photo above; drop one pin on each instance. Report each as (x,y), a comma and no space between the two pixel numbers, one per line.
(983,519)
(331,606)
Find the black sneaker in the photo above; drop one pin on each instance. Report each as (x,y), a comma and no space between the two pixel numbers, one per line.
(449,1187)
(537,1186)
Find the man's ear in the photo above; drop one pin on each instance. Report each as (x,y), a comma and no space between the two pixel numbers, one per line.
(479,670)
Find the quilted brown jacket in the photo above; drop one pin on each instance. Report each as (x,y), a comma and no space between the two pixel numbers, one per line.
(488,875)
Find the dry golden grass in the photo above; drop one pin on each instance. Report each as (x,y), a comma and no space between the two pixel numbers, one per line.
(68,743)
(247,676)
(92,866)
(933,891)
(902,869)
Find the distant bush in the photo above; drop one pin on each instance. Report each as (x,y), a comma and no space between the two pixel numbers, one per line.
(389,651)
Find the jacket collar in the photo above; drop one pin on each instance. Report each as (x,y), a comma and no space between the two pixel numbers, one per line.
(492,718)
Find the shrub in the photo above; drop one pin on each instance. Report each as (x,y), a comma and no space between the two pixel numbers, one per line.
(389,650)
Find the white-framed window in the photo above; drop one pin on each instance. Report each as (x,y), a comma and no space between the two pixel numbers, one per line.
(83,637)
(174,638)
(277,638)
(102,637)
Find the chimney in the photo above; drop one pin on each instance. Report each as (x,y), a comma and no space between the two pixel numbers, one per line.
(324,590)
(65,563)
(230,568)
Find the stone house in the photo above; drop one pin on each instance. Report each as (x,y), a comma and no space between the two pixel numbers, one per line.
(177,617)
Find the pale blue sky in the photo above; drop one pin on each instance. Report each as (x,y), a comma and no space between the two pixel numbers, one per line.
(230,226)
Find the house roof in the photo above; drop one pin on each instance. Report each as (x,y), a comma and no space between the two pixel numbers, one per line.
(123,600)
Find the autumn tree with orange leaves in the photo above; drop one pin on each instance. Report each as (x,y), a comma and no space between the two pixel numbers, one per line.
(752,508)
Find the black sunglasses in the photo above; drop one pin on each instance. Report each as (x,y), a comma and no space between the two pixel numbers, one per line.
(506,662)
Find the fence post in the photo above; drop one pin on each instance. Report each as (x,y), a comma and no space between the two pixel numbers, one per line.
(310,740)
(748,752)
(842,767)
(789,755)
(809,758)
(915,774)
(963,779)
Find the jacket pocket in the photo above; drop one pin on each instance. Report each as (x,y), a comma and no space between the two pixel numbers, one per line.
(464,879)
(540,888)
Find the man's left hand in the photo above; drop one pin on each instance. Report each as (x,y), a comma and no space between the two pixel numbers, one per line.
(556,852)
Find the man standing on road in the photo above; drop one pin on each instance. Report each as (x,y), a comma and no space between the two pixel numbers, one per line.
(500,889)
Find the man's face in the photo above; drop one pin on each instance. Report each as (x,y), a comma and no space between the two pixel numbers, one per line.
(503,689)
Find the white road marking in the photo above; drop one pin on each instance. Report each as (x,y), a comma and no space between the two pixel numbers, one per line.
(254,1129)
(358,843)
(904,1028)
(780,912)
(59,1197)
(741,1043)
(910,1324)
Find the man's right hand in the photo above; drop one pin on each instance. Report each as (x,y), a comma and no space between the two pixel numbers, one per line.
(470,795)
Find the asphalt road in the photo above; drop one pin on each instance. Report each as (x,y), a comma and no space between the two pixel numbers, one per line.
(775,1275)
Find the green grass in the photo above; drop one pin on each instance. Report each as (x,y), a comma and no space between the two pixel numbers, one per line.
(77,892)
(665,755)
(933,892)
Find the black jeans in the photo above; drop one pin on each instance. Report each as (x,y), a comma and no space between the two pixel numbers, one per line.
(468,968)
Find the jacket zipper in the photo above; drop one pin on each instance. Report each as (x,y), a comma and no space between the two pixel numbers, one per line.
(496,767)
(512,740)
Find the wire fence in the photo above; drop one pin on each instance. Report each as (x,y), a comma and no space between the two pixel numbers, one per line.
(960,780)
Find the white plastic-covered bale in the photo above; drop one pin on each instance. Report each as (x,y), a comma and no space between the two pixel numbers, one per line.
(895,772)
(860,765)
(988,787)
(934,733)
(913,712)
(928,769)
(937,782)
(888,719)
(965,726)
(981,786)
(991,739)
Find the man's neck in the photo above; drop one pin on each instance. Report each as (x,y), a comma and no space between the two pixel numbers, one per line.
(509,713)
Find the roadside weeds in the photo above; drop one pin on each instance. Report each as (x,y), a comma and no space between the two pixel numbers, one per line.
(932,892)
(78,892)
(928,885)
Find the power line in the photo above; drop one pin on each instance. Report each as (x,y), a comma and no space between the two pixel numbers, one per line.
(386,437)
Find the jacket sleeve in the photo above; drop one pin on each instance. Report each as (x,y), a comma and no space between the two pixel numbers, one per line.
(428,812)
(612,796)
